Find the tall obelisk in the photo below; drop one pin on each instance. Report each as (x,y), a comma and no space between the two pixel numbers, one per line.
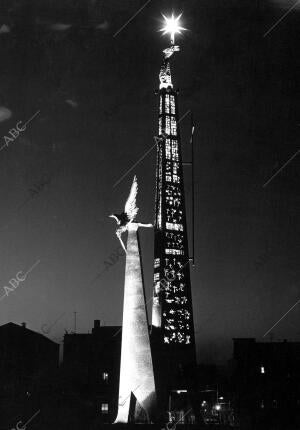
(137,395)
(172,308)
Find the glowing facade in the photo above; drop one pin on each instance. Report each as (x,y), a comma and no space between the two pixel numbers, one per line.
(172,302)
(137,396)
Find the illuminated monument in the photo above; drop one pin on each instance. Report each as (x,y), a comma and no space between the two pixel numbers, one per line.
(172,313)
(137,395)
(166,365)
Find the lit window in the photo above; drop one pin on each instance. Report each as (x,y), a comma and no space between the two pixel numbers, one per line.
(175,150)
(167,103)
(186,314)
(168,149)
(168,125)
(104,408)
(157,287)
(168,167)
(156,262)
(172,226)
(156,276)
(160,104)
(169,200)
(262,369)
(181,287)
(175,168)
(105,376)
(180,336)
(174,251)
(262,404)
(172,100)
(155,301)
(173,126)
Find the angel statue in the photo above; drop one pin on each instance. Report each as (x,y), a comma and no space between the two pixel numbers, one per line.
(129,214)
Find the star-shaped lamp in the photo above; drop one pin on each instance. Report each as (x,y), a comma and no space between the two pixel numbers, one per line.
(172,26)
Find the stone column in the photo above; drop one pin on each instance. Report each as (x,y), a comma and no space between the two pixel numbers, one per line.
(136,386)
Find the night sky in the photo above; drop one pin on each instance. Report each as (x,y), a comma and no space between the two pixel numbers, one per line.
(96,115)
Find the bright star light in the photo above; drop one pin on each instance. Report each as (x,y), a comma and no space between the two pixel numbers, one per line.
(172,27)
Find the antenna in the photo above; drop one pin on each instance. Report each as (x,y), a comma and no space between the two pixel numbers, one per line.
(193,187)
(75,313)
(191,163)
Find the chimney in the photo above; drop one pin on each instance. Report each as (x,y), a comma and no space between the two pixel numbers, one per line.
(23,324)
(96,326)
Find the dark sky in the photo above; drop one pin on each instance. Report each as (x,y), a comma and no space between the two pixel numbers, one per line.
(98,115)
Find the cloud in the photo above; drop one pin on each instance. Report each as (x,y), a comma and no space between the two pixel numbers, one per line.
(102,26)
(72,103)
(4,29)
(287,4)
(4,113)
(59,26)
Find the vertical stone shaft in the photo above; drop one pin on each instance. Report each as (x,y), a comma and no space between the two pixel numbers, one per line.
(136,372)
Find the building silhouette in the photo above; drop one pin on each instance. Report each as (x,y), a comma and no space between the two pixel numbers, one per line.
(28,364)
(91,363)
(267,383)
(25,356)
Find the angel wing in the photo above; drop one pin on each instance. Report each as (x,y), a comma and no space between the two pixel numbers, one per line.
(130,207)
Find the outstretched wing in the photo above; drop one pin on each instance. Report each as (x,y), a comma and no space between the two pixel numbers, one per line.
(130,207)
